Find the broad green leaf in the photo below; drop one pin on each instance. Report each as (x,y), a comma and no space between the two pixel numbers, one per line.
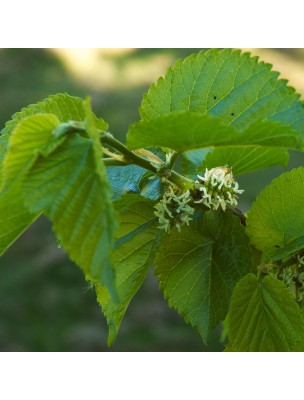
(31,135)
(199,267)
(187,130)
(245,159)
(276,218)
(133,252)
(71,189)
(226,84)
(263,316)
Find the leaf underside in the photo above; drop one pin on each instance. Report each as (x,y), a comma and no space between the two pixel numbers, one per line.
(30,135)
(77,199)
(14,216)
(187,130)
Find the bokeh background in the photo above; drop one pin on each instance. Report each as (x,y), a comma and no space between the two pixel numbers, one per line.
(45,303)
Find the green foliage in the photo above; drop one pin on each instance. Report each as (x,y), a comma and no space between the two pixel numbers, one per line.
(218,108)
(134,247)
(33,134)
(263,316)
(71,188)
(245,159)
(14,217)
(65,107)
(242,159)
(186,130)
(228,85)
(276,219)
(17,218)
(192,160)
(133,179)
(198,267)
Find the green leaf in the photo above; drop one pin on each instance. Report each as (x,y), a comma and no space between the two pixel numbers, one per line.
(276,218)
(71,188)
(286,251)
(199,267)
(187,130)
(65,107)
(133,179)
(245,159)
(31,135)
(3,148)
(125,180)
(192,160)
(151,186)
(226,84)
(134,248)
(263,316)
(14,217)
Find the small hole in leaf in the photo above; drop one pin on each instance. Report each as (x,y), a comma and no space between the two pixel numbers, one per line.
(232,114)
(214,97)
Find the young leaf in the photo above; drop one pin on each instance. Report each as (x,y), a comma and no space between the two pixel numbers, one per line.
(276,218)
(29,138)
(15,218)
(187,130)
(263,316)
(199,267)
(70,187)
(31,135)
(225,84)
(65,107)
(245,159)
(133,252)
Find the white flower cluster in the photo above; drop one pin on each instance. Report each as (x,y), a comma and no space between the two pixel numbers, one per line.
(173,209)
(218,188)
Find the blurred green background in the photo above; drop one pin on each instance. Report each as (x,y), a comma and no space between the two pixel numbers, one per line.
(45,303)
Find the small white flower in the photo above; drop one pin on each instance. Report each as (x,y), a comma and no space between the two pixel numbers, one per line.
(218,188)
(173,209)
